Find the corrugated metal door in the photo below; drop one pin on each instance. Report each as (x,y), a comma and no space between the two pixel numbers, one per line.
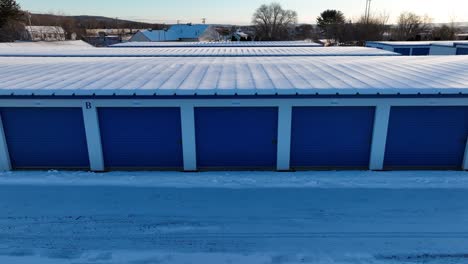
(421,51)
(462,51)
(326,137)
(46,138)
(426,137)
(236,138)
(141,138)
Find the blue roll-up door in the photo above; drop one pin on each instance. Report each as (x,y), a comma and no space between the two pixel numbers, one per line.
(141,138)
(426,137)
(45,138)
(236,138)
(331,137)
(421,51)
(403,51)
(462,51)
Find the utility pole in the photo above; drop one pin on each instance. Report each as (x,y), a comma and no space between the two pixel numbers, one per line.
(368,10)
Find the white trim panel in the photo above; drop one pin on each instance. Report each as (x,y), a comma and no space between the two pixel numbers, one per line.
(379,137)
(5,163)
(93,136)
(465,159)
(298,102)
(284,137)
(187,114)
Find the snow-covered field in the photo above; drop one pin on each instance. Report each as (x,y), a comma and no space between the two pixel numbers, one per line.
(234,217)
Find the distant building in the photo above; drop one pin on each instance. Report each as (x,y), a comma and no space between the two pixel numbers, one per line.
(185,32)
(420,48)
(462,36)
(44,33)
(103,40)
(241,36)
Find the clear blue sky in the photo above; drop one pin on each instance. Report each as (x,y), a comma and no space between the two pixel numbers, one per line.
(240,11)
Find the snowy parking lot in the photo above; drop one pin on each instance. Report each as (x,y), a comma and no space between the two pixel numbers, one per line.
(262,217)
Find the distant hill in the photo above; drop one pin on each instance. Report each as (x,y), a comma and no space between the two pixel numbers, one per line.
(89,21)
(79,24)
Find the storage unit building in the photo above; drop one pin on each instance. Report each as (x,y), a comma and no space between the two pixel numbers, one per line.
(462,49)
(234,113)
(199,52)
(418,48)
(214,44)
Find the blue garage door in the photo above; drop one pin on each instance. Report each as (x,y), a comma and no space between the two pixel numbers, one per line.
(46,138)
(324,137)
(403,51)
(426,137)
(141,138)
(421,51)
(462,51)
(236,138)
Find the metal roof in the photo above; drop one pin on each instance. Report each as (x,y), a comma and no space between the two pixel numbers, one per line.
(218,44)
(175,32)
(198,52)
(234,75)
(418,43)
(43,45)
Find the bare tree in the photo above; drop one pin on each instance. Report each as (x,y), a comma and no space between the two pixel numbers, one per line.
(373,27)
(272,22)
(410,26)
(445,32)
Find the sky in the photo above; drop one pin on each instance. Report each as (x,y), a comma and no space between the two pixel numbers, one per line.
(240,11)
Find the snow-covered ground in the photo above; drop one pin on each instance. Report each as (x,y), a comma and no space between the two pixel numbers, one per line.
(234,217)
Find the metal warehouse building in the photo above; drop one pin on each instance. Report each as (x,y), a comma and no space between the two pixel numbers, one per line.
(166,44)
(419,48)
(216,113)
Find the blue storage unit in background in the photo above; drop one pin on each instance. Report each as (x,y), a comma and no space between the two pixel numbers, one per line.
(403,51)
(426,137)
(141,138)
(421,51)
(45,138)
(329,137)
(236,138)
(462,51)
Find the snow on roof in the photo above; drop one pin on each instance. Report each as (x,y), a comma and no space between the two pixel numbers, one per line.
(175,32)
(418,43)
(234,75)
(219,44)
(199,52)
(50,45)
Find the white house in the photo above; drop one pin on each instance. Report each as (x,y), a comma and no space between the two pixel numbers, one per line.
(185,32)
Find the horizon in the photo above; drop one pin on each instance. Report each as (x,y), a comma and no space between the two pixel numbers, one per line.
(240,12)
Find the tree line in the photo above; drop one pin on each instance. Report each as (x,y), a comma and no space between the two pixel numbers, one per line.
(272,22)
